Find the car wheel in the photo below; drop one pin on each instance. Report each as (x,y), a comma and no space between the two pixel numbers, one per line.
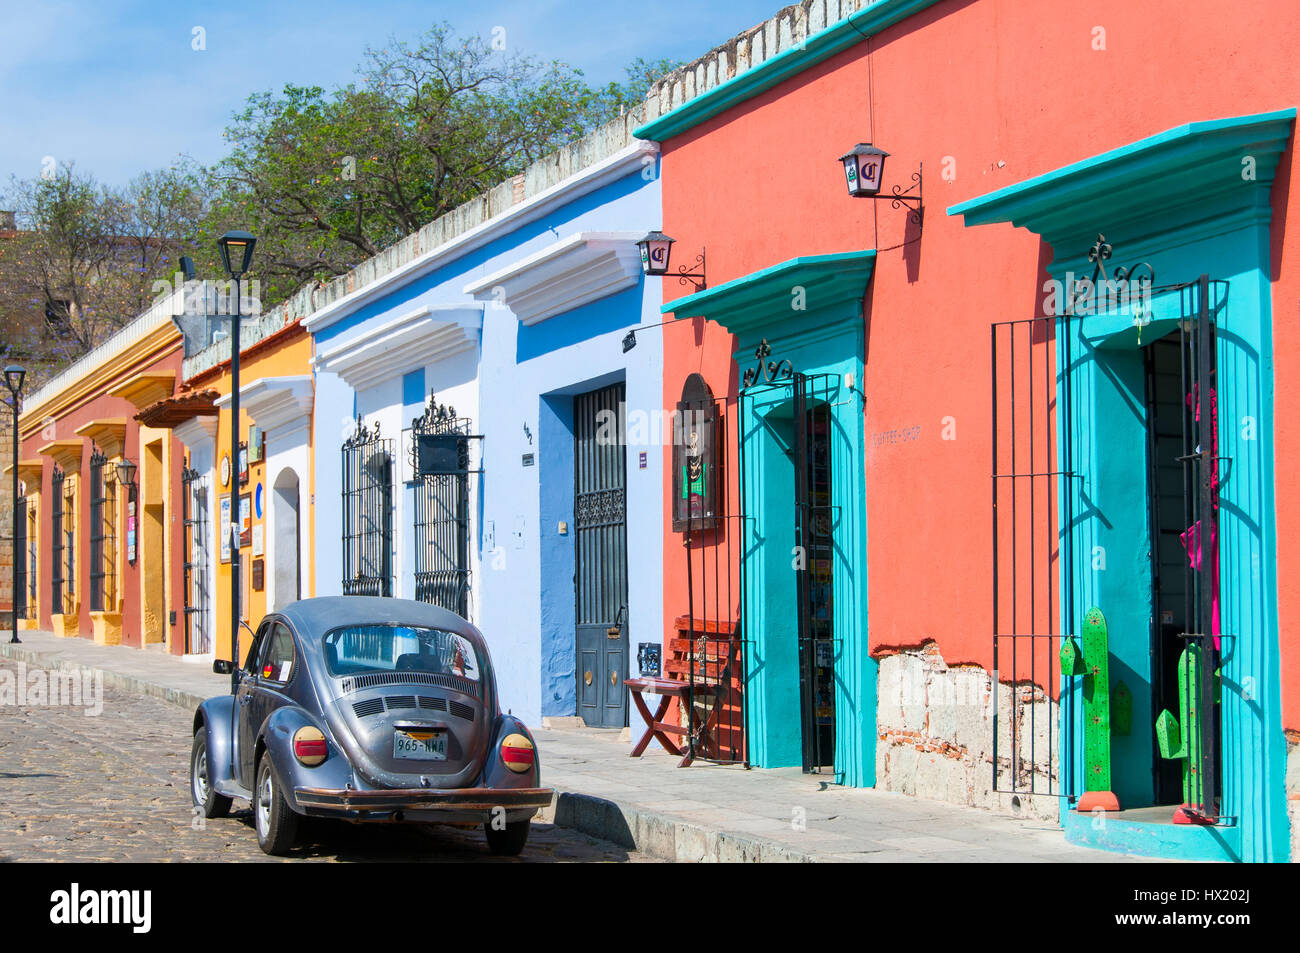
(507,841)
(202,793)
(275,820)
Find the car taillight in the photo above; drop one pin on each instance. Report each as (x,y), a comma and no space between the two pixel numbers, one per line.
(309,746)
(517,753)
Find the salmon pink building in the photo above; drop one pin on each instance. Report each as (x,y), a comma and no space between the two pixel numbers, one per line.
(994,332)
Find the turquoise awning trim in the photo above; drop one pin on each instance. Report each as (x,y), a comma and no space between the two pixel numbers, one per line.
(820,46)
(793,289)
(1196,172)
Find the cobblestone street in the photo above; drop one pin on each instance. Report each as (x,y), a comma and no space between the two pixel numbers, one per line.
(114,787)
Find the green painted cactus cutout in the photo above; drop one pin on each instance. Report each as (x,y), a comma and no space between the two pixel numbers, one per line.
(1179,739)
(1096,701)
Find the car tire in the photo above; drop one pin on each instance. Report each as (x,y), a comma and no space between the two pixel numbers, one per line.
(273,818)
(202,793)
(507,841)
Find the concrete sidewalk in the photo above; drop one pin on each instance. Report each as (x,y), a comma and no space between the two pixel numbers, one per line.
(697,814)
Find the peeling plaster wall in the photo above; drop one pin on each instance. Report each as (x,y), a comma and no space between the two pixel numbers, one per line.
(935,735)
(1293,790)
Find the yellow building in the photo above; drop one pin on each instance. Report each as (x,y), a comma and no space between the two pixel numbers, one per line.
(266,489)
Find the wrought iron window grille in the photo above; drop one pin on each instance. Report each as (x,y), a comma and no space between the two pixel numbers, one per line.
(441,467)
(367,512)
(103,499)
(197,585)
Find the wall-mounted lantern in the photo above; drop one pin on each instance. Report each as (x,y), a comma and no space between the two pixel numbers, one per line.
(656,250)
(864,172)
(126,472)
(864,169)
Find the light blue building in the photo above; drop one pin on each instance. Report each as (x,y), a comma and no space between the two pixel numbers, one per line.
(459,450)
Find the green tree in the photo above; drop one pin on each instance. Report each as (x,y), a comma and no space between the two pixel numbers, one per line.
(328,179)
(83,258)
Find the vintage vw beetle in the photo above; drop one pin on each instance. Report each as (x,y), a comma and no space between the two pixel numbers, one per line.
(366,709)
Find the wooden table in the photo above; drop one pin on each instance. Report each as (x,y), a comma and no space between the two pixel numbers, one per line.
(667,689)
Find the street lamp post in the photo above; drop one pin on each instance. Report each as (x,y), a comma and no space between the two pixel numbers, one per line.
(14,375)
(236,256)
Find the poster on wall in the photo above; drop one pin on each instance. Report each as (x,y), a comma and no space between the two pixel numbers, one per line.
(245,520)
(225,528)
(255,444)
(130,532)
(259,546)
(243,464)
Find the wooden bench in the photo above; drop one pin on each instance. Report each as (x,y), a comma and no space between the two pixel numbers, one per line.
(710,676)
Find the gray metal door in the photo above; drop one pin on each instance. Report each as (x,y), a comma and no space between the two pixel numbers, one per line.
(600,542)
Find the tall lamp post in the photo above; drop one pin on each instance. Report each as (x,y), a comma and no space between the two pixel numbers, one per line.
(236,256)
(14,375)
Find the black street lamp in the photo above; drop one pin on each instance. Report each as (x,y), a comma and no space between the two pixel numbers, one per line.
(236,257)
(14,376)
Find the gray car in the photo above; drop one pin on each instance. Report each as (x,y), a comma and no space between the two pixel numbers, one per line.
(366,709)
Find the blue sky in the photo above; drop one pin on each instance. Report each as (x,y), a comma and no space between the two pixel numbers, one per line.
(118,88)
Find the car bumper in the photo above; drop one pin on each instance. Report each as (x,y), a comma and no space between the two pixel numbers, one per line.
(423,803)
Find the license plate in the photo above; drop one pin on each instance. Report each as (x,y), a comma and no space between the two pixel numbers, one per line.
(430,745)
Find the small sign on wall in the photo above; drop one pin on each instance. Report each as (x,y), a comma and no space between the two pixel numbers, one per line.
(259,575)
(259,546)
(225,528)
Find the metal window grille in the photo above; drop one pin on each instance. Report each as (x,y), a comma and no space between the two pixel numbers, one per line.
(714,529)
(32,536)
(56,539)
(103,554)
(1033,559)
(367,513)
(69,544)
(198,638)
(442,567)
(20,557)
(1027,558)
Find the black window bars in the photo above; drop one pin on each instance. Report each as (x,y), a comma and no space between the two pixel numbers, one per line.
(56,539)
(197,583)
(440,466)
(367,513)
(103,550)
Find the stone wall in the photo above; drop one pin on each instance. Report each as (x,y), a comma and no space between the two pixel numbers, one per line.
(1293,791)
(935,734)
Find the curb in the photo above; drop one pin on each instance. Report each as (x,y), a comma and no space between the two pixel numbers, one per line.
(654,834)
(663,836)
(115,680)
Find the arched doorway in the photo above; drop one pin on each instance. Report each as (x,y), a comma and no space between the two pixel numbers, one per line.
(285,573)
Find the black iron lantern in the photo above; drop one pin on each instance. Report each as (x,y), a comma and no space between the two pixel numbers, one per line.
(864,168)
(656,248)
(236,252)
(14,376)
(125,472)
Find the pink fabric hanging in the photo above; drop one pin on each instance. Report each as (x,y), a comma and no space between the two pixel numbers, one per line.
(1201,551)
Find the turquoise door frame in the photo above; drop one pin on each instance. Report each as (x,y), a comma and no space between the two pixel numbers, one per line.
(1193,200)
(809,311)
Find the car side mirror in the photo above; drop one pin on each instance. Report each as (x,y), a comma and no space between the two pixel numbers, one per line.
(223,666)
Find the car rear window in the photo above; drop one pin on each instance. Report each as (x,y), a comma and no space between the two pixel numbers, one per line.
(357,649)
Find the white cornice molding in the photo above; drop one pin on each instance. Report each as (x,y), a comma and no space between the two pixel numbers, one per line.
(622,163)
(426,335)
(579,269)
(197,431)
(276,404)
